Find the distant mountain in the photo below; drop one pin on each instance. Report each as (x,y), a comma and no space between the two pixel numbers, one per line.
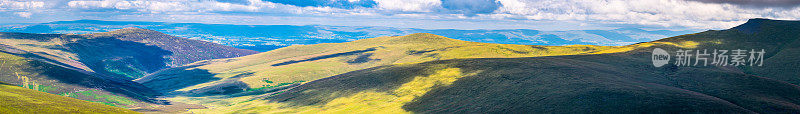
(267,37)
(18,100)
(618,79)
(124,54)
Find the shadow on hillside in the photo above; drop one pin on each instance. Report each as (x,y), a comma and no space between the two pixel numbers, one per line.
(169,80)
(123,60)
(228,86)
(362,58)
(30,36)
(564,84)
(327,56)
(624,82)
(57,80)
(611,83)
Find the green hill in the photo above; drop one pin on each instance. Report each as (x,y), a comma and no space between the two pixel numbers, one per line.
(18,100)
(283,68)
(124,54)
(223,82)
(37,73)
(622,82)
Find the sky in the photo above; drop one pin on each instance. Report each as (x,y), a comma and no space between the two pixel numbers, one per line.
(425,14)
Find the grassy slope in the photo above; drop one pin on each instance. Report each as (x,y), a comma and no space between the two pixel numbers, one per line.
(18,100)
(624,82)
(266,73)
(46,77)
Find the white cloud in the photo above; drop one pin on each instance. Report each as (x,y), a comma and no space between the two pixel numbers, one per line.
(409,5)
(665,13)
(20,5)
(24,14)
(179,6)
(660,13)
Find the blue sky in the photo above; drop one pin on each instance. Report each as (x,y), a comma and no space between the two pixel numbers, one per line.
(427,14)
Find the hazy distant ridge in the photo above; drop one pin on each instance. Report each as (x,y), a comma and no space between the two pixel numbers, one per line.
(268,37)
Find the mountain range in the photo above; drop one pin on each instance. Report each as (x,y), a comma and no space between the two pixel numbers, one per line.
(267,37)
(414,73)
(100,67)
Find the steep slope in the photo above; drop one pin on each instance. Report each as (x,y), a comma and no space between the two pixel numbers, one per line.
(184,51)
(17,100)
(624,82)
(227,81)
(124,54)
(311,62)
(37,73)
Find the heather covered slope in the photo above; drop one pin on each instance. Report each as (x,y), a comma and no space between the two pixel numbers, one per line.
(183,50)
(124,54)
(624,82)
(18,100)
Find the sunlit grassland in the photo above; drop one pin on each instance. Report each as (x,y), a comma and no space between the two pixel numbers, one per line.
(390,50)
(369,101)
(397,50)
(17,100)
(96,96)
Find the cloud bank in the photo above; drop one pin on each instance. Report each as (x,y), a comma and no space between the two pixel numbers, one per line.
(758,3)
(692,14)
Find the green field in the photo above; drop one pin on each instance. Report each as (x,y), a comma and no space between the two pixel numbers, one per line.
(17,100)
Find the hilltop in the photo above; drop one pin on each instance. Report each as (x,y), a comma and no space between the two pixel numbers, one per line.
(624,81)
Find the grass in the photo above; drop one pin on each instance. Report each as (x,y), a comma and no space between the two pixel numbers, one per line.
(274,86)
(325,60)
(422,73)
(42,88)
(385,53)
(313,62)
(17,100)
(616,83)
(370,101)
(98,97)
